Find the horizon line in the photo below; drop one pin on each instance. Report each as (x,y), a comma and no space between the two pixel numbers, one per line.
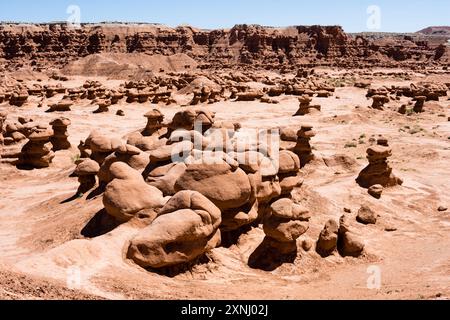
(56,22)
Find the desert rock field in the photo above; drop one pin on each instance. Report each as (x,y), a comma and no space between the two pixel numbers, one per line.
(139,161)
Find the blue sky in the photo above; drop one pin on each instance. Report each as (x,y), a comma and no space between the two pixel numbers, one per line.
(396,15)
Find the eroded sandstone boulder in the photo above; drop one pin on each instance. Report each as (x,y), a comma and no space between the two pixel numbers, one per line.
(186,228)
(328,238)
(226,186)
(128,194)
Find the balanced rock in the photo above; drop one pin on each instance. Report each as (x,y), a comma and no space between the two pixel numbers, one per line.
(283,225)
(103,105)
(288,172)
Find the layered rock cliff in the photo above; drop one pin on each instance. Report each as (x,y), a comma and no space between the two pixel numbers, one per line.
(251,45)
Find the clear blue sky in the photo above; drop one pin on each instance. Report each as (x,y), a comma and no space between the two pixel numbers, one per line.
(396,15)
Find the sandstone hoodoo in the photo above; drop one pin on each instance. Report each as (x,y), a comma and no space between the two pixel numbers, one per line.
(420,101)
(288,173)
(100,146)
(60,136)
(303,147)
(305,107)
(3,116)
(103,105)
(378,172)
(154,122)
(37,152)
(379,101)
(86,172)
(125,153)
(286,222)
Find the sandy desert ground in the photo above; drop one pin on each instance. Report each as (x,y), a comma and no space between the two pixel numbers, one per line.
(51,235)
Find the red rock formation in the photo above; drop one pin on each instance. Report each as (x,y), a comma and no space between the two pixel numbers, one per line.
(259,46)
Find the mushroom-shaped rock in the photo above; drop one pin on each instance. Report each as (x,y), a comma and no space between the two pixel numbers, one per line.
(420,101)
(128,194)
(284,224)
(103,105)
(60,135)
(86,172)
(102,146)
(305,106)
(154,122)
(191,119)
(186,228)
(378,172)
(128,154)
(37,152)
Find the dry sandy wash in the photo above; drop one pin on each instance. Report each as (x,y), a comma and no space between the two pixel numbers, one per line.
(351,202)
